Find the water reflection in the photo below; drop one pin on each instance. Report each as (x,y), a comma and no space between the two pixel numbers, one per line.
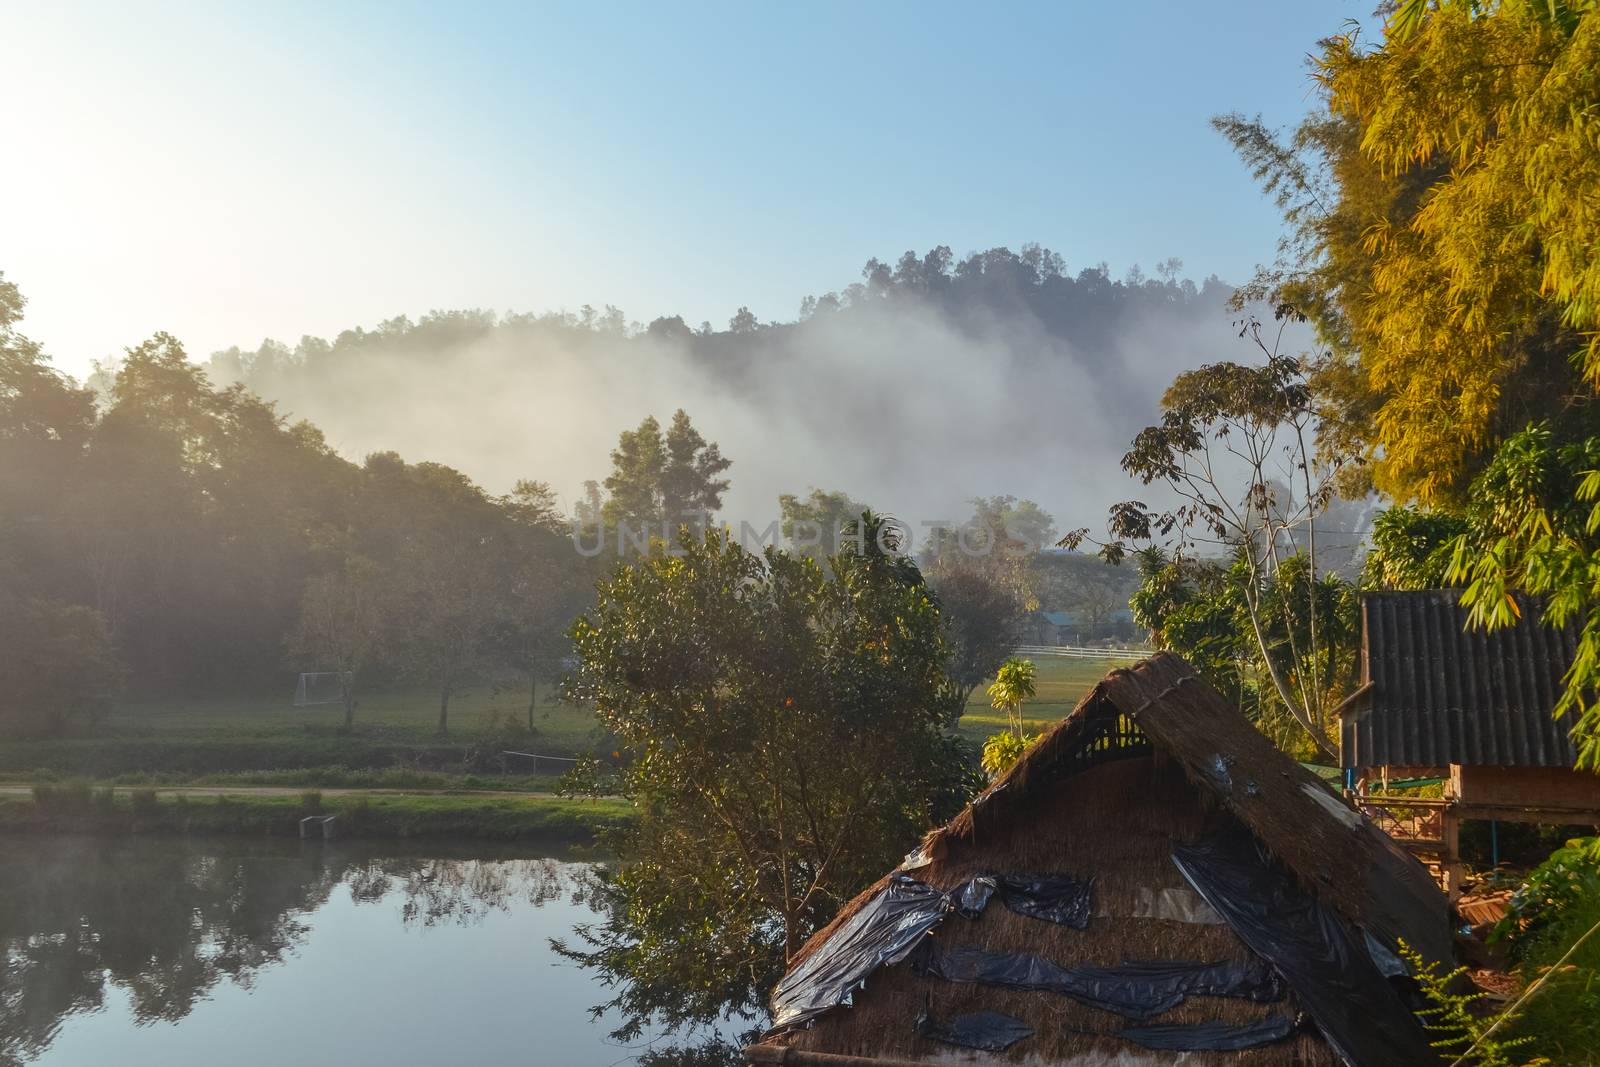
(167,921)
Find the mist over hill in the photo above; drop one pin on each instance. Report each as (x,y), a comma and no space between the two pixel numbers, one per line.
(927,382)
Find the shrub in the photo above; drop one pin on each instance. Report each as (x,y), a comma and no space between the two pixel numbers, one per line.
(72,795)
(1552,924)
(143,801)
(311,800)
(1462,1033)
(1003,750)
(585,780)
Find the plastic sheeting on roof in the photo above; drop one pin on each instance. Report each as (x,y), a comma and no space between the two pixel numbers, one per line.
(1329,969)
(991,1031)
(884,931)
(1140,990)
(1052,897)
(1209,1036)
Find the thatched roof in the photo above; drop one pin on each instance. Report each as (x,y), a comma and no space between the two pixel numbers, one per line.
(1152,760)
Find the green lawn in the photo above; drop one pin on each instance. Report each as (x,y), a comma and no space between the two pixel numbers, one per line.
(266,741)
(408,714)
(1060,684)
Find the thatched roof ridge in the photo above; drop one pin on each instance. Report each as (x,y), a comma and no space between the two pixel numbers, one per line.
(1337,853)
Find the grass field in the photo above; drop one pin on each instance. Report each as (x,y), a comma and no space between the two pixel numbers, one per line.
(266,741)
(1060,684)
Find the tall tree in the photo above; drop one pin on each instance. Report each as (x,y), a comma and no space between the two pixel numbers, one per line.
(451,560)
(59,667)
(342,625)
(814,525)
(548,585)
(664,479)
(787,727)
(1229,432)
(983,574)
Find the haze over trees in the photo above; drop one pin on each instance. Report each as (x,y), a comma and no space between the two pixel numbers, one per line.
(993,361)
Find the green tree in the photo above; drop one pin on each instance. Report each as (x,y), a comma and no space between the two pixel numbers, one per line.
(342,624)
(1411,548)
(664,478)
(450,561)
(1534,526)
(813,525)
(59,665)
(1227,431)
(1013,684)
(787,728)
(548,584)
(982,571)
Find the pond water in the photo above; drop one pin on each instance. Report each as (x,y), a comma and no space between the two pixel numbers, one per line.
(243,952)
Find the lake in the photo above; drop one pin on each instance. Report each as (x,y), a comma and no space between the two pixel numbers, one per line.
(245,952)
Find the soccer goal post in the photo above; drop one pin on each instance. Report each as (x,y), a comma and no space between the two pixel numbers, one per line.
(321,687)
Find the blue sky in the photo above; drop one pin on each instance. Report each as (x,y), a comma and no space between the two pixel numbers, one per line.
(229,171)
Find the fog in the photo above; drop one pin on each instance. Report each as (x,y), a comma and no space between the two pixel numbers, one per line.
(911,403)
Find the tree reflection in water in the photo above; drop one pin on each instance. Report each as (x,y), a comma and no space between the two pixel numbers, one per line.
(168,919)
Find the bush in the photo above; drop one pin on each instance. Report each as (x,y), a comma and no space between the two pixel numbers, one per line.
(73,795)
(586,779)
(1003,750)
(143,801)
(1556,907)
(1462,1033)
(311,800)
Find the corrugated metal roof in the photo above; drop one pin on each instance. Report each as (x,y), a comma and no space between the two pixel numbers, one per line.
(1443,694)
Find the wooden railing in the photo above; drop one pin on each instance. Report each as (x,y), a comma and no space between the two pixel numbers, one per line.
(1418,822)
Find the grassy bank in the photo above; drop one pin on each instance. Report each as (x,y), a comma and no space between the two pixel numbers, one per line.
(78,808)
(266,741)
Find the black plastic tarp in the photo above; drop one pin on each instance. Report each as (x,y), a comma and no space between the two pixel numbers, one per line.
(884,931)
(991,1031)
(1133,990)
(1209,1036)
(1322,959)
(1052,897)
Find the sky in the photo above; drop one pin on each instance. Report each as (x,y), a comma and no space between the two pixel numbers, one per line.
(228,172)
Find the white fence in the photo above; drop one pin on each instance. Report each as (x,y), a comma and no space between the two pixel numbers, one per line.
(1078,652)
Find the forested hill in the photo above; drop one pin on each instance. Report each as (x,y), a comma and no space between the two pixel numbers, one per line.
(981,357)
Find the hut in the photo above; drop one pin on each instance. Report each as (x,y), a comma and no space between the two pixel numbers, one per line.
(1467,708)
(1153,883)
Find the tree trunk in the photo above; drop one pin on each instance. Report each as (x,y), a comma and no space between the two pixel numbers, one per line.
(533,697)
(1301,715)
(347,689)
(444,710)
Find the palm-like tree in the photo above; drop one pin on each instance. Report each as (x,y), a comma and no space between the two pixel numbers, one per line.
(1013,683)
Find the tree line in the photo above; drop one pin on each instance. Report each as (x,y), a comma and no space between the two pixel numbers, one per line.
(169,536)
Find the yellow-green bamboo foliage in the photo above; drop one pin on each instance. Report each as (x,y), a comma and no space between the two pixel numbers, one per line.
(1480,295)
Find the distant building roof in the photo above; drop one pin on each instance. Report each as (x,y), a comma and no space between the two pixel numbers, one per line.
(1059,618)
(1435,693)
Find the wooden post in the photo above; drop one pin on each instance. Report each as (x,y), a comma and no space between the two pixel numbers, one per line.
(1450,859)
(1450,832)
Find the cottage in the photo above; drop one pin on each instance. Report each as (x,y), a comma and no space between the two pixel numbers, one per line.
(1154,883)
(1470,708)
